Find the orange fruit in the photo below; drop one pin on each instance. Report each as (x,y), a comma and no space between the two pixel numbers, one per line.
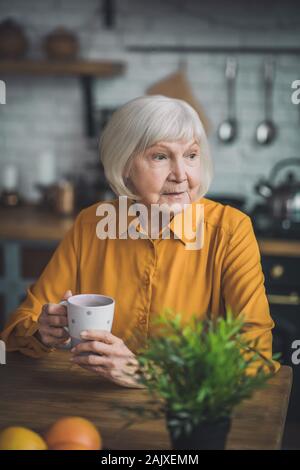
(19,438)
(69,446)
(71,432)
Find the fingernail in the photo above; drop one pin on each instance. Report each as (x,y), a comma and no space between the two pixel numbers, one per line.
(73,349)
(83,334)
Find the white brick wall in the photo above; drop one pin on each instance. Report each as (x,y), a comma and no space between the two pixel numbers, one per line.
(47,112)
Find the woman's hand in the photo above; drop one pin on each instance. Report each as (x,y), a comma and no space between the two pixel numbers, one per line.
(51,324)
(108,356)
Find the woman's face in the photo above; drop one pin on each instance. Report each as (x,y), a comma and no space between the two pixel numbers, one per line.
(167,172)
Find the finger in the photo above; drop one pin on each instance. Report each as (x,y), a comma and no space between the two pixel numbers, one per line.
(55,332)
(118,380)
(49,340)
(92,360)
(100,335)
(67,294)
(43,319)
(57,320)
(103,372)
(125,380)
(132,362)
(62,340)
(93,346)
(54,309)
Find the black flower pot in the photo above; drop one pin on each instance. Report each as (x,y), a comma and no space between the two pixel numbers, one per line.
(204,436)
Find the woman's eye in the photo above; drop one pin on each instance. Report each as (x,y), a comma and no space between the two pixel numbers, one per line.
(159,156)
(192,156)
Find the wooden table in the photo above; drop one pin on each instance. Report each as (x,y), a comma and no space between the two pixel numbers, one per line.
(36,392)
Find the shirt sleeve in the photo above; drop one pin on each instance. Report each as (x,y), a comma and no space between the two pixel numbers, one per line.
(244,292)
(59,275)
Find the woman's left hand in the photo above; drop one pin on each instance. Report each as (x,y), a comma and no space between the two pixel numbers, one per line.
(108,357)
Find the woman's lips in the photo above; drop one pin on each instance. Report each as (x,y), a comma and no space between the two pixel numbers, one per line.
(175,195)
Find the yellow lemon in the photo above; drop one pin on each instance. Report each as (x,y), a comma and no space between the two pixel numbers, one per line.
(18,438)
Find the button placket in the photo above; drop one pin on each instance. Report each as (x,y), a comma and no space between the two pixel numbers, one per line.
(147,278)
(143,316)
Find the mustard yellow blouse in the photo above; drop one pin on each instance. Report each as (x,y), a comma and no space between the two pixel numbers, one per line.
(145,276)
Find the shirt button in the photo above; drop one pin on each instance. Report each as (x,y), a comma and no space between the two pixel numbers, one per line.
(142,319)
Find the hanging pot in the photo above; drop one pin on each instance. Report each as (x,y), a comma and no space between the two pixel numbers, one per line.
(13,42)
(61,44)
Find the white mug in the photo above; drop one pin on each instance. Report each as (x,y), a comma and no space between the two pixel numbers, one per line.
(88,312)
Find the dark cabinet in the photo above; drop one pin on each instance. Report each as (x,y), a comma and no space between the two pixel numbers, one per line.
(282,281)
(21,263)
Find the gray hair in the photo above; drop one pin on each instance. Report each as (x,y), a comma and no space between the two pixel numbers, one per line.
(139,124)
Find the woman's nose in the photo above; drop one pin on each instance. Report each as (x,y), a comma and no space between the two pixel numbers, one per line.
(178,171)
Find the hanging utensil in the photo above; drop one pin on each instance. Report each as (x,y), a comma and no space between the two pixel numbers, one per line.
(227,130)
(266,131)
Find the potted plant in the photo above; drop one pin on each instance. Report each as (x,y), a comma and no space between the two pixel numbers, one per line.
(197,373)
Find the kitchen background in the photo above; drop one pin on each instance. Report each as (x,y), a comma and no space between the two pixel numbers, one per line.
(46,113)
(52,120)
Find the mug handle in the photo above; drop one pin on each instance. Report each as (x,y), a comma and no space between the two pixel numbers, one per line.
(68,345)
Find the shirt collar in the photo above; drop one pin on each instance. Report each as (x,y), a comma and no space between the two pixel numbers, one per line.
(191,212)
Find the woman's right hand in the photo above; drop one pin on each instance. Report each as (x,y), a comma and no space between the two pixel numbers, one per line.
(51,324)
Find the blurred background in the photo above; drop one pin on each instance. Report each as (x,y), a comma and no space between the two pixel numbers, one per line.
(66,65)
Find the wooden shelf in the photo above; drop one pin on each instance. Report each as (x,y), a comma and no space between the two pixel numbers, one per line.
(73,67)
(85,70)
(163,49)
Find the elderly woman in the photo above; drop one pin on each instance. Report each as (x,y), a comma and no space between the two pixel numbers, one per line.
(155,152)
